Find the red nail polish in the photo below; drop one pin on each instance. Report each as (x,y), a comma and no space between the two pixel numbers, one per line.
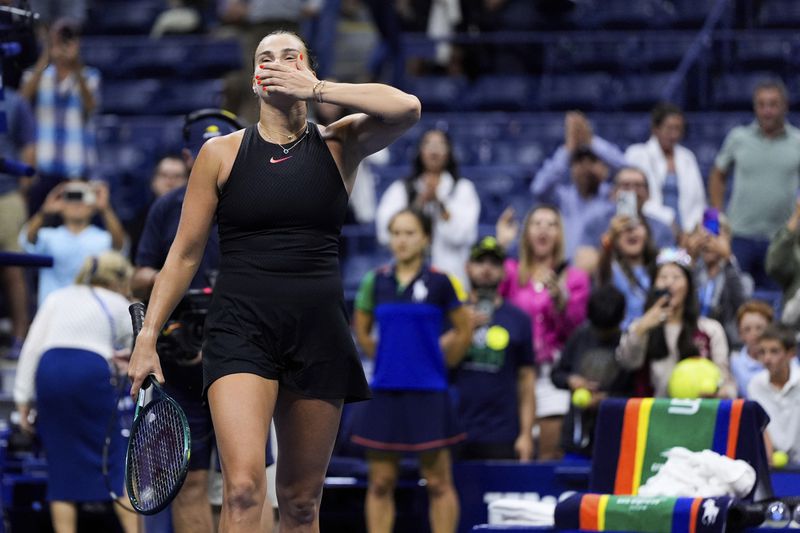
(301,57)
(258,77)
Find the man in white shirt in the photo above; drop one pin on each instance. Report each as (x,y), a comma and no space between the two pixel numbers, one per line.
(777,389)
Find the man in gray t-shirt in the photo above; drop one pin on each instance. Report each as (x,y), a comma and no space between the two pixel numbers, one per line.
(765,156)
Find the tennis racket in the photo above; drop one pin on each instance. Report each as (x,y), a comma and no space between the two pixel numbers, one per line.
(160,443)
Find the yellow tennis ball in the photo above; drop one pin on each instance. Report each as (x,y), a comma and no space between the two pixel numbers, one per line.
(780,459)
(581,398)
(497,338)
(694,377)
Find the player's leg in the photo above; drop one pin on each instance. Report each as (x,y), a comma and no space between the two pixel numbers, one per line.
(306,430)
(241,408)
(379,508)
(64,516)
(436,467)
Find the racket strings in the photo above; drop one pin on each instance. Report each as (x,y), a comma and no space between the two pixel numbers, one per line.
(158,455)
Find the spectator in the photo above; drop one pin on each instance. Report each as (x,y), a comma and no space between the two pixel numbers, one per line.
(495,381)
(16,144)
(777,389)
(627,262)
(65,95)
(170,173)
(578,134)
(75,239)
(78,336)
(410,410)
(721,286)
(783,262)
(180,18)
(587,362)
(672,329)
(251,20)
(677,192)
(766,160)
(627,180)
(583,199)
(753,317)
(554,296)
(436,187)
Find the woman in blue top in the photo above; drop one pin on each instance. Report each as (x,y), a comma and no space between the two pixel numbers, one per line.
(411,411)
(627,261)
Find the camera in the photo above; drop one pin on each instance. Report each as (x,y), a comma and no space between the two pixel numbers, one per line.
(79,192)
(182,336)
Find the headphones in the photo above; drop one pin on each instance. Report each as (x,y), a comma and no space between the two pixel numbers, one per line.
(210,112)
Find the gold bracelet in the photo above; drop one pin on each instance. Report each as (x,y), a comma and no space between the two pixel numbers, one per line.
(319,93)
(314,90)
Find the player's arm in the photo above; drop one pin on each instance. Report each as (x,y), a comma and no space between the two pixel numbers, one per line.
(183,259)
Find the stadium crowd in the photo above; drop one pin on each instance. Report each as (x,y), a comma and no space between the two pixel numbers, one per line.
(625,255)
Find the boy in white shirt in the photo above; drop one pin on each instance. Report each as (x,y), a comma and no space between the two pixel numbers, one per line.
(777,389)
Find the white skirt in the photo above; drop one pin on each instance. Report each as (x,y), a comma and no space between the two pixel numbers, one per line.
(550,400)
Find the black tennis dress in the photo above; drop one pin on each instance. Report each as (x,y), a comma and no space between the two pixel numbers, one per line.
(278,306)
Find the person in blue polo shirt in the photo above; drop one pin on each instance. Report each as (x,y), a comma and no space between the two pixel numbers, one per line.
(411,304)
(495,381)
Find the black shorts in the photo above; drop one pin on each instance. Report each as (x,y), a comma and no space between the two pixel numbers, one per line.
(291,329)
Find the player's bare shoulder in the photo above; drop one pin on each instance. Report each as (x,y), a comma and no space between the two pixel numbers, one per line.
(218,154)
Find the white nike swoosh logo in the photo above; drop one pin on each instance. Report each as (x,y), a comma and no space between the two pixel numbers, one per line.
(282,159)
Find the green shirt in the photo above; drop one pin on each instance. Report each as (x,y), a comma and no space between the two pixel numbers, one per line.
(765,178)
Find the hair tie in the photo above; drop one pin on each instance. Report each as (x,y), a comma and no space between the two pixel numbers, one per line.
(93,270)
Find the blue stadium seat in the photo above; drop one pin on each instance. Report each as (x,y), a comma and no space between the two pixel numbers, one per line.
(101,53)
(642,92)
(438,93)
(766,51)
(663,52)
(129,97)
(184,96)
(596,54)
(780,14)
(153,59)
(122,18)
(735,91)
(502,93)
(587,92)
(214,57)
(690,13)
(635,15)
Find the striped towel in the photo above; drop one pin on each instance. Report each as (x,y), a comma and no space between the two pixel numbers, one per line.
(595,512)
(632,435)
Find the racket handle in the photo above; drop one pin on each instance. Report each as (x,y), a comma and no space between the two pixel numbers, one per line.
(137,318)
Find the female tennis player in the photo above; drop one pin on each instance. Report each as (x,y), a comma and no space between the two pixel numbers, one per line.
(277,336)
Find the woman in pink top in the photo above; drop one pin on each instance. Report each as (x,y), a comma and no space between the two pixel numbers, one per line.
(555,296)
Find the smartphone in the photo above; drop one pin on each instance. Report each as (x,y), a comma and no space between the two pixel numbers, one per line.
(658,293)
(627,204)
(711,220)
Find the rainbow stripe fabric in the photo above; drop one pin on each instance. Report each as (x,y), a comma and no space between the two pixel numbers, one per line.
(595,512)
(632,434)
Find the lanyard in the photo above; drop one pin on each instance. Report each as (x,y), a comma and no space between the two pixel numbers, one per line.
(117,346)
(707,297)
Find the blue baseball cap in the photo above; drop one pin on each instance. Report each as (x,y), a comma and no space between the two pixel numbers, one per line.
(204,124)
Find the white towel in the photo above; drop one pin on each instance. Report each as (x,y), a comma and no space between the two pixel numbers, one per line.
(702,474)
(524,512)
